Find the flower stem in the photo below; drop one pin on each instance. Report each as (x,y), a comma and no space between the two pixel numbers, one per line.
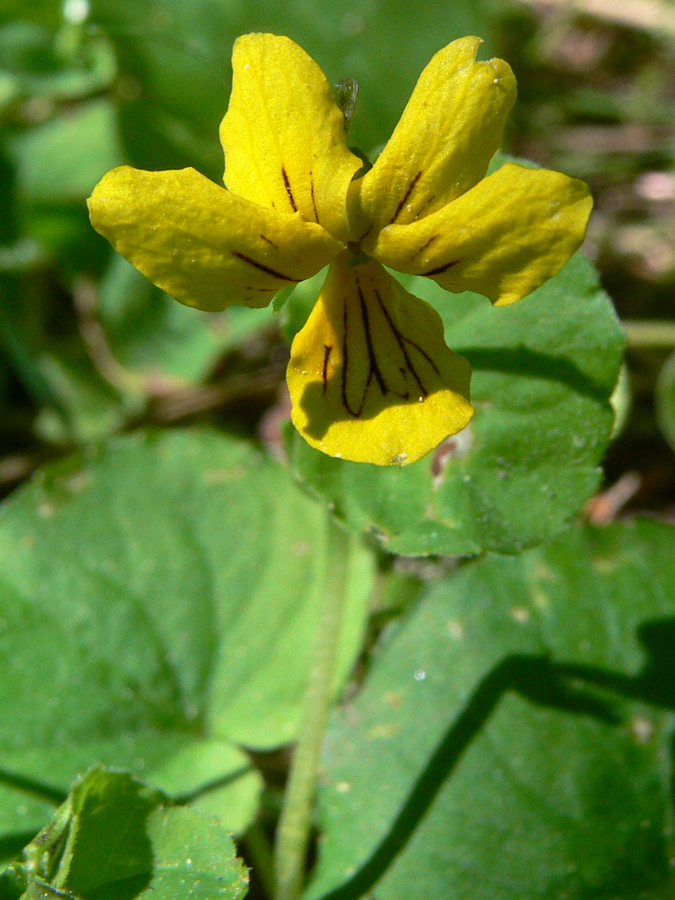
(296,815)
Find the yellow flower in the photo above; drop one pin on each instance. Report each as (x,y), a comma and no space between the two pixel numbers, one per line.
(370,376)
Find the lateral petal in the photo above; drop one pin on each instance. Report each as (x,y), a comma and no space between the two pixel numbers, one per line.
(444,141)
(284,136)
(503,238)
(202,244)
(371,378)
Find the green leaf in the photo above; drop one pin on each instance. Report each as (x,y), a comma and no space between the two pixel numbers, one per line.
(86,407)
(107,844)
(157,600)
(191,849)
(281,298)
(152,335)
(664,398)
(21,811)
(58,164)
(298,306)
(216,778)
(544,370)
(54,60)
(213,776)
(60,161)
(9,90)
(513,738)
(114,840)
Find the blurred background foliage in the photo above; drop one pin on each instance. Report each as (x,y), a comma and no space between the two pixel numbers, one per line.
(90,348)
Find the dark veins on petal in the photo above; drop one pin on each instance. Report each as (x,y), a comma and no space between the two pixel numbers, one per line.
(265,238)
(263,268)
(326,356)
(405,197)
(426,204)
(284,175)
(424,246)
(311,185)
(374,370)
(441,269)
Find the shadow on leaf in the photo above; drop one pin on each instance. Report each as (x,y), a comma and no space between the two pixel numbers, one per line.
(529,363)
(579,689)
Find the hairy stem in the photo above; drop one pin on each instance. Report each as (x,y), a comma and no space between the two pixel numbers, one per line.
(296,815)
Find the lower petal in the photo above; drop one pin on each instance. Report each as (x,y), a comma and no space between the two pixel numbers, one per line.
(371,378)
(203,245)
(505,237)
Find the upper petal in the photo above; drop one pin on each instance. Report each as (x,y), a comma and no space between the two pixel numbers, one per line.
(370,376)
(283,135)
(504,238)
(443,143)
(202,244)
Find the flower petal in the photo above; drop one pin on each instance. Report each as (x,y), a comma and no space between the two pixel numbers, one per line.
(370,376)
(203,245)
(503,238)
(445,139)
(283,135)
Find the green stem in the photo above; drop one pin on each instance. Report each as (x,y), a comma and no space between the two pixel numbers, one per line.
(296,815)
(649,333)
